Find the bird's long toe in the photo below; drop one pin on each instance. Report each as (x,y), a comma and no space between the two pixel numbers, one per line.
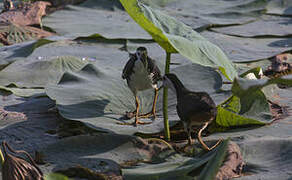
(148,115)
(137,122)
(218,142)
(125,123)
(206,147)
(142,123)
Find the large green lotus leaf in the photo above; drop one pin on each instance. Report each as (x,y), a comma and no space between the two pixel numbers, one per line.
(110,150)
(262,161)
(95,16)
(229,114)
(210,170)
(9,54)
(30,74)
(242,87)
(282,27)
(55,176)
(280,7)
(156,52)
(177,167)
(267,157)
(174,36)
(281,128)
(159,3)
(31,129)
(99,97)
(211,12)
(249,104)
(104,53)
(96,151)
(115,23)
(237,49)
(23,92)
(249,49)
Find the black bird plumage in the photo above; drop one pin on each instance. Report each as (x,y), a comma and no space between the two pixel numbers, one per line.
(193,108)
(142,73)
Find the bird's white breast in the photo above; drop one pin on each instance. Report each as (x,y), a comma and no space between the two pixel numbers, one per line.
(140,79)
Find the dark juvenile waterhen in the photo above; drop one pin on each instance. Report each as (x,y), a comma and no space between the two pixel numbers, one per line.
(193,108)
(142,73)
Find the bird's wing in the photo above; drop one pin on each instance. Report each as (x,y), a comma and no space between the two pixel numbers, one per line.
(153,68)
(197,109)
(206,104)
(128,69)
(197,102)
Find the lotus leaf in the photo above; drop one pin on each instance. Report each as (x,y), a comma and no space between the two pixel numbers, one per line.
(178,167)
(111,149)
(94,16)
(249,104)
(174,36)
(99,97)
(243,86)
(19,51)
(240,49)
(282,27)
(279,7)
(54,176)
(24,92)
(37,74)
(266,162)
(206,13)
(213,165)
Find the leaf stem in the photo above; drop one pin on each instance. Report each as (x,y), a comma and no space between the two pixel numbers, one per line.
(1,158)
(165,95)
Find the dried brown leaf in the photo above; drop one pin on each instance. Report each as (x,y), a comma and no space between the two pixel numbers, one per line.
(233,164)
(16,168)
(26,16)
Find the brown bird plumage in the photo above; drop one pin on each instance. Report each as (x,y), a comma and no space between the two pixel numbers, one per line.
(193,108)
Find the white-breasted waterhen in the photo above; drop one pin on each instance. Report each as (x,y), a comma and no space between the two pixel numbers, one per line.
(142,73)
(193,108)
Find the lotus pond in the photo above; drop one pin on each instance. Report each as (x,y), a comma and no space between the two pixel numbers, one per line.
(62,96)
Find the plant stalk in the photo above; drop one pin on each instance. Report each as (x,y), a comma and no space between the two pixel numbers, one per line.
(165,96)
(1,158)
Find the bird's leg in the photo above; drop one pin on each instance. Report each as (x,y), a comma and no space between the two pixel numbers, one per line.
(202,142)
(189,132)
(155,102)
(136,115)
(132,114)
(189,137)
(188,147)
(153,111)
(137,110)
